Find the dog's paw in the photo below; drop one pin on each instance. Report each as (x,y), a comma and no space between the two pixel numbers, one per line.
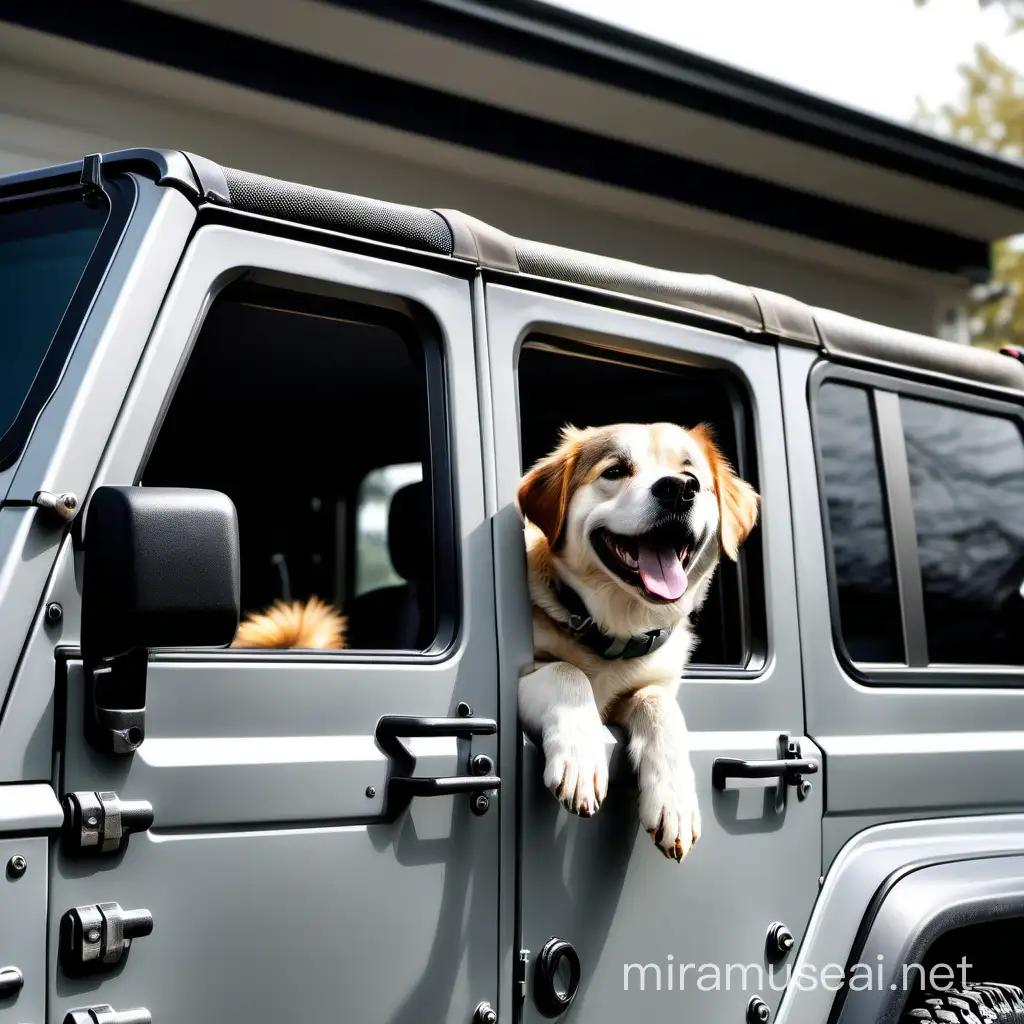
(576,764)
(668,809)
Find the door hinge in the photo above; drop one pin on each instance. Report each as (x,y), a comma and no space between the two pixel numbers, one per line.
(106,1014)
(522,968)
(98,823)
(99,937)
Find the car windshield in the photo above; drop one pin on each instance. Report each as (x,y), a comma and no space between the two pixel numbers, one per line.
(43,251)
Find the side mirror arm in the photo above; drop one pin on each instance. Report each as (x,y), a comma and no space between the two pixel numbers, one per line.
(115,702)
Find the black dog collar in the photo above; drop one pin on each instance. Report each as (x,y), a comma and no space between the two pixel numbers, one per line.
(588,632)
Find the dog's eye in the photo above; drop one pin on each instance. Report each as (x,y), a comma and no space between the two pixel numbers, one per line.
(616,471)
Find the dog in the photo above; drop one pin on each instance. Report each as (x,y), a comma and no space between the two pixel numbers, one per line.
(624,526)
(308,625)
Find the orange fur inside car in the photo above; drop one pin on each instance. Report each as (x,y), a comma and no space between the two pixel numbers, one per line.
(310,625)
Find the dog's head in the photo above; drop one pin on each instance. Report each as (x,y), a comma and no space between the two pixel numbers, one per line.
(648,506)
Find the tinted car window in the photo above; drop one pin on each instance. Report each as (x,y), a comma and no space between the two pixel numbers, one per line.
(967,484)
(863,569)
(314,421)
(43,251)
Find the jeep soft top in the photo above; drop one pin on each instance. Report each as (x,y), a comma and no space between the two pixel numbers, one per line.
(449,233)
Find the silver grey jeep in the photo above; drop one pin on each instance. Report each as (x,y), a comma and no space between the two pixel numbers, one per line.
(219,391)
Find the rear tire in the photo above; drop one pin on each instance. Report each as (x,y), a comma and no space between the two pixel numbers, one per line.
(978,1003)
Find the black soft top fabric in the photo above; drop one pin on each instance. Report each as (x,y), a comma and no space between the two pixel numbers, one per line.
(319,207)
(450,233)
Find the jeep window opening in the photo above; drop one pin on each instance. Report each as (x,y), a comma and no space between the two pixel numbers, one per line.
(915,592)
(613,386)
(289,401)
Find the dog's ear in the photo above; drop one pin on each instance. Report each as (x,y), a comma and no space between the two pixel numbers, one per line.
(737,500)
(543,496)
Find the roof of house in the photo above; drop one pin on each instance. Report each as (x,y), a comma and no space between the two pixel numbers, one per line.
(528,83)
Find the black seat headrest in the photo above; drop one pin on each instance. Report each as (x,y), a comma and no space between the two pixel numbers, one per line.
(409,532)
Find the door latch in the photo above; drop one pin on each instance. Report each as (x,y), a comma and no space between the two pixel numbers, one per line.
(790,769)
(99,823)
(392,730)
(108,1015)
(98,938)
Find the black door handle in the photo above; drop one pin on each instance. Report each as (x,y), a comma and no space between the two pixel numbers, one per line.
(390,734)
(788,770)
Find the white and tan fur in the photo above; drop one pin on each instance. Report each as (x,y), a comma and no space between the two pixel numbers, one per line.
(570,691)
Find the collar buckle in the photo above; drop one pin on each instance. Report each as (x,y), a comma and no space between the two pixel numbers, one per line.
(653,637)
(578,623)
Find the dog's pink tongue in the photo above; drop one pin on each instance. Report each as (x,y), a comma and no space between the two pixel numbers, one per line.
(661,571)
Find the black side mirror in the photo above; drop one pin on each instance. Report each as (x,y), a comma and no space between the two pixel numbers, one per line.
(160,571)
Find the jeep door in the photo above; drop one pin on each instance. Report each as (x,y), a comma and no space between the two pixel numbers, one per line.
(657,940)
(284,881)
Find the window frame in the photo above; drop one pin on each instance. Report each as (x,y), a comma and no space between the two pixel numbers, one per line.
(884,393)
(755,649)
(419,329)
(120,195)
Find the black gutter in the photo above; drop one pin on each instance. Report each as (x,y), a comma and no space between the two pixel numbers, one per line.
(540,33)
(232,57)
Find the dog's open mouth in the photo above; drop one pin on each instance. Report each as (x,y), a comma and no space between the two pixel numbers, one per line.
(654,562)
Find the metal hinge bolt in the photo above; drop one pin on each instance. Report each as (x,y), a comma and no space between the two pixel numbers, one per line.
(63,507)
(12,981)
(780,941)
(485,1014)
(758,1011)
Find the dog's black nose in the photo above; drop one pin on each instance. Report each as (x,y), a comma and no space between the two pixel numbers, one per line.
(672,491)
(691,487)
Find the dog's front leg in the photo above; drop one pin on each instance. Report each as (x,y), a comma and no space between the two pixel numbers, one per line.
(660,751)
(557,702)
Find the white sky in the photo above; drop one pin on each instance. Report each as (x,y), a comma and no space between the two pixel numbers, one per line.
(878,55)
